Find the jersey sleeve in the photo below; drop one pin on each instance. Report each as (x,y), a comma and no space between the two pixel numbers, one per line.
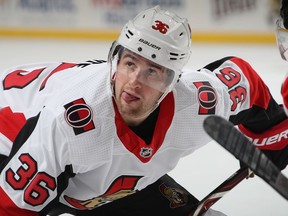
(284,92)
(39,155)
(251,106)
(31,84)
(251,103)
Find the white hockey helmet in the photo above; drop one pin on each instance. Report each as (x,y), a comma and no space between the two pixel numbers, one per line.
(159,36)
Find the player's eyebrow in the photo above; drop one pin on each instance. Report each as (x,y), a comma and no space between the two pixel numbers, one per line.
(136,57)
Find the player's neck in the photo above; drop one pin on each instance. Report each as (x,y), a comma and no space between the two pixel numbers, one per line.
(145,130)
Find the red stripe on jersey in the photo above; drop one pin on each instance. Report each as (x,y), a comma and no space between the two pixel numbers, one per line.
(11,123)
(259,92)
(135,144)
(8,208)
(127,183)
(284,92)
(61,67)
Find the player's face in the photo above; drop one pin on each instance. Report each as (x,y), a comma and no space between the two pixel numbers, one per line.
(138,85)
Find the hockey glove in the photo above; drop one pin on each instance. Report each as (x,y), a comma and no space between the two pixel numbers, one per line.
(273,142)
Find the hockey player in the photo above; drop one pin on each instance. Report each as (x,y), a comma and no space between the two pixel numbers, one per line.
(282,41)
(284,13)
(277,131)
(98,137)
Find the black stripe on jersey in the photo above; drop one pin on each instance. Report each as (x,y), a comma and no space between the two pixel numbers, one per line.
(258,119)
(213,65)
(3,159)
(55,207)
(90,62)
(21,138)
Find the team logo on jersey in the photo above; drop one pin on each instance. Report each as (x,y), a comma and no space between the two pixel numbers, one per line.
(146,152)
(175,196)
(207,98)
(121,187)
(79,116)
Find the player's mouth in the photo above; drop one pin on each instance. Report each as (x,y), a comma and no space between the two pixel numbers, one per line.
(129,97)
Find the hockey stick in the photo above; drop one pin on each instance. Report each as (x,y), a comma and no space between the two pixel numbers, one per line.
(220,191)
(224,132)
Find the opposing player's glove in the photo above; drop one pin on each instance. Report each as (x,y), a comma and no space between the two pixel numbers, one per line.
(273,142)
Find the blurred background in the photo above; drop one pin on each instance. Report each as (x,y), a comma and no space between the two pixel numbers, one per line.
(71,30)
(211,20)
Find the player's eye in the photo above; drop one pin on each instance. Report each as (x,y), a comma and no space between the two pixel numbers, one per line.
(152,72)
(130,64)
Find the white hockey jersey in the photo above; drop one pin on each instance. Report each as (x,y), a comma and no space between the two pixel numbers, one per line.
(80,125)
